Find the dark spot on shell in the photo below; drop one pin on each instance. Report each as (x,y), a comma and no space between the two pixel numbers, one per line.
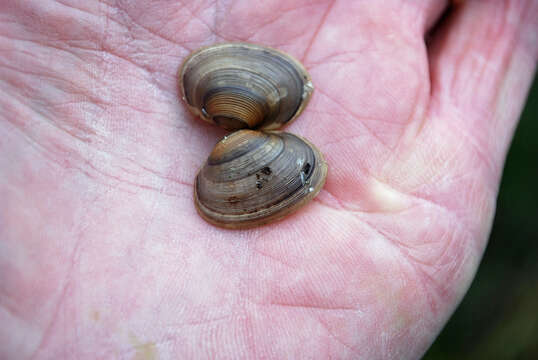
(266,170)
(259,184)
(306,168)
(233,199)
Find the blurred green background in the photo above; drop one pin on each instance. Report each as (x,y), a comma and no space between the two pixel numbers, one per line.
(498,318)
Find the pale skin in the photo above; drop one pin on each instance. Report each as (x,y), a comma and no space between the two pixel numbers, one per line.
(102,254)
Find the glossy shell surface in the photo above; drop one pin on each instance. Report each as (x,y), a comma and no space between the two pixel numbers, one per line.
(252,178)
(241,85)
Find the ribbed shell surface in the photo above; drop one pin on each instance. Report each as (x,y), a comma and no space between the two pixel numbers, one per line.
(252,178)
(240,85)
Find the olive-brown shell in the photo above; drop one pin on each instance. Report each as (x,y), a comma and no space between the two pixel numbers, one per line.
(240,85)
(252,178)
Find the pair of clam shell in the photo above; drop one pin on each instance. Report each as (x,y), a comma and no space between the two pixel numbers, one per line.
(254,175)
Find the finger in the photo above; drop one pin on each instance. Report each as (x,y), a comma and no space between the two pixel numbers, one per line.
(482,63)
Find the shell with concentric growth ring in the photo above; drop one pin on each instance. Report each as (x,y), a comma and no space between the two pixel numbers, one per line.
(252,178)
(241,85)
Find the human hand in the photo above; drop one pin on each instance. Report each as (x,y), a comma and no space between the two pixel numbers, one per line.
(102,254)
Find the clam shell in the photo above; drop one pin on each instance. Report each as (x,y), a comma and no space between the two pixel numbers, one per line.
(252,178)
(241,85)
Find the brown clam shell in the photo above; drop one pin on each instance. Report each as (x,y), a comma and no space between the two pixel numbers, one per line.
(252,178)
(241,85)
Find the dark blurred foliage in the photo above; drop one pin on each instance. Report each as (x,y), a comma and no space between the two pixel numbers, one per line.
(498,318)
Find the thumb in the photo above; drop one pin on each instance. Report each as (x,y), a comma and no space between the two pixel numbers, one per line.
(482,62)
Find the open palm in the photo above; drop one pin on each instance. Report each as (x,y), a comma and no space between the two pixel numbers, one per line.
(102,254)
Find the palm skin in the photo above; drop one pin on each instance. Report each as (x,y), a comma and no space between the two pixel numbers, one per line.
(102,252)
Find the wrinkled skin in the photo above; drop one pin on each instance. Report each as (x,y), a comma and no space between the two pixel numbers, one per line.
(102,254)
